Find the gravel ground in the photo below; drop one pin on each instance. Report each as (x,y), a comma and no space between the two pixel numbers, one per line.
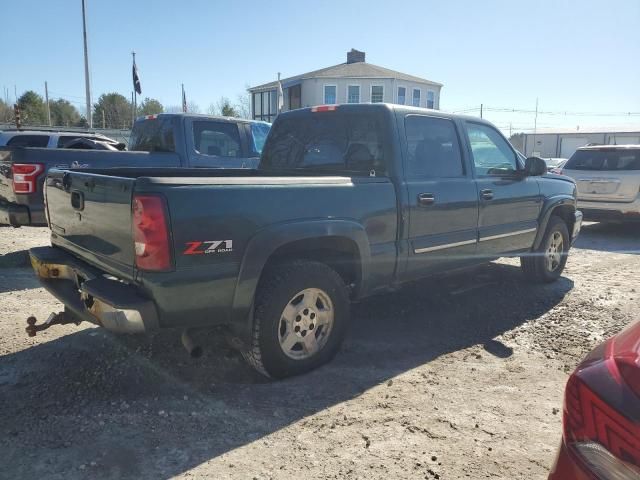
(452,379)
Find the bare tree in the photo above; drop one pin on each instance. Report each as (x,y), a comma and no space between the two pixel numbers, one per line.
(173,109)
(243,105)
(193,107)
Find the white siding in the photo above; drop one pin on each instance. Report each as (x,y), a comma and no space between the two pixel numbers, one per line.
(313,90)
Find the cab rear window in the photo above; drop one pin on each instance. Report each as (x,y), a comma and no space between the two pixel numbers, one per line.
(326,141)
(604,159)
(152,135)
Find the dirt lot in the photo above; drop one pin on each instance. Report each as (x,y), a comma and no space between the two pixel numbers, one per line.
(455,379)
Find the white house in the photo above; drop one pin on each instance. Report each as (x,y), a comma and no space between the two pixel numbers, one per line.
(355,81)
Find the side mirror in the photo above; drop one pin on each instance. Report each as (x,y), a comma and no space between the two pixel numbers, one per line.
(535,166)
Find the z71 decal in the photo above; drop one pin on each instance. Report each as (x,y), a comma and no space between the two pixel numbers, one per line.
(210,246)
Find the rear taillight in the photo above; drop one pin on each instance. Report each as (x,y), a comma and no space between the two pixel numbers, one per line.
(625,351)
(601,414)
(151,233)
(324,108)
(25,176)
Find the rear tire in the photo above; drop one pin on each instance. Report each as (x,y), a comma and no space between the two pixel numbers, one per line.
(300,318)
(546,263)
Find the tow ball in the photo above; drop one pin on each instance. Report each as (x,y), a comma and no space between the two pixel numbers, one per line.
(60,318)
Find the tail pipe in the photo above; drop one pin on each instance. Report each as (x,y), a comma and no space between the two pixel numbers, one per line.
(190,344)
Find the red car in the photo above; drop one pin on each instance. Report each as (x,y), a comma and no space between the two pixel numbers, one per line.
(601,434)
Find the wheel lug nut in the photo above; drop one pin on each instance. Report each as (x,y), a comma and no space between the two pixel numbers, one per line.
(298,318)
(306,311)
(313,315)
(303,333)
(311,326)
(297,329)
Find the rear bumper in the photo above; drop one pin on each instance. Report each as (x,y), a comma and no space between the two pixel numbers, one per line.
(90,296)
(567,467)
(20,215)
(610,211)
(577,225)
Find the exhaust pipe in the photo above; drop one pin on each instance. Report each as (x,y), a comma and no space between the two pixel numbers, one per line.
(195,350)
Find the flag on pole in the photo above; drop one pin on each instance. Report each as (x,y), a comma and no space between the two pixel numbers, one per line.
(136,79)
(280,95)
(184,100)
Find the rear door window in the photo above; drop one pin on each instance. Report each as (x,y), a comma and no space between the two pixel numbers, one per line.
(433,148)
(326,141)
(65,139)
(604,159)
(29,141)
(220,139)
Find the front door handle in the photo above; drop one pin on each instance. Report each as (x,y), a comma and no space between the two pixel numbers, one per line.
(486,194)
(426,199)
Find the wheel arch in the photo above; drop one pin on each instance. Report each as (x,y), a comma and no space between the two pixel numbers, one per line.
(342,244)
(563,206)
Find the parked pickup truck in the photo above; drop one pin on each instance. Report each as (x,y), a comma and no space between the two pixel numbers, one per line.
(348,201)
(164,140)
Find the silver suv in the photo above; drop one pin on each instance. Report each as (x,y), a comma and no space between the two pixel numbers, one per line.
(46,138)
(608,179)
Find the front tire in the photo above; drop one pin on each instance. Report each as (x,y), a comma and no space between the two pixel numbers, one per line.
(546,263)
(300,318)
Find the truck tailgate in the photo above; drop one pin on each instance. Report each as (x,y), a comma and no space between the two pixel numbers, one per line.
(90,216)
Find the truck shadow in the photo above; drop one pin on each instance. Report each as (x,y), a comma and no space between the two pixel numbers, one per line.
(610,237)
(149,411)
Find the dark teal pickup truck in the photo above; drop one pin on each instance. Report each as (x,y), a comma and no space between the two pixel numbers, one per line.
(347,201)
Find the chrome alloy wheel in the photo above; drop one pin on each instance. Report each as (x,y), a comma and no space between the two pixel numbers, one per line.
(554,251)
(306,323)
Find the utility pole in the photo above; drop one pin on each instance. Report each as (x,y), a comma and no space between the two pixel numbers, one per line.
(481,110)
(133,112)
(87,85)
(46,97)
(104,125)
(509,129)
(535,125)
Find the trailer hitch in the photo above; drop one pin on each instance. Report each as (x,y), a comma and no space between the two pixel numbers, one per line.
(60,318)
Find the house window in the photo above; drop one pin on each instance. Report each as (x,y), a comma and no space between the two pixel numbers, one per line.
(431,99)
(377,93)
(265,105)
(353,94)
(330,96)
(402,95)
(416,97)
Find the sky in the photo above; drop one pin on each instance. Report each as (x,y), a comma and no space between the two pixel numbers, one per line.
(579,56)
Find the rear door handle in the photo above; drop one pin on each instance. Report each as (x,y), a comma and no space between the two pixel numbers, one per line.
(486,194)
(426,199)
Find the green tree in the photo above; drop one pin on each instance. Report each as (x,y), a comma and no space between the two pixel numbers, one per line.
(517,140)
(224,108)
(6,112)
(150,106)
(32,109)
(113,111)
(63,114)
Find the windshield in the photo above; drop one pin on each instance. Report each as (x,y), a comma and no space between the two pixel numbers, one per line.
(259,132)
(327,141)
(605,159)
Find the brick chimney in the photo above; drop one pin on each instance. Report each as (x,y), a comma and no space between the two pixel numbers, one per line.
(355,56)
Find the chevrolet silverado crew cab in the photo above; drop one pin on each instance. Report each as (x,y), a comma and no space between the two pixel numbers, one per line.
(347,201)
(173,140)
(608,180)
